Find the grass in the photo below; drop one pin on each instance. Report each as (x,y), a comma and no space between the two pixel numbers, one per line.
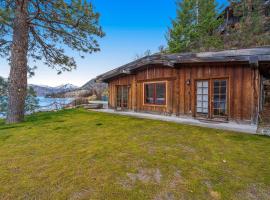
(76,154)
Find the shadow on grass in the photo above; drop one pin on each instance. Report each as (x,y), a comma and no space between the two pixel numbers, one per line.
(8,127)
(44,117)
(4,137)
(246,137)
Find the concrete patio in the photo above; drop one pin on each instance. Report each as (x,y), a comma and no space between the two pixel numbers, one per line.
(232,126)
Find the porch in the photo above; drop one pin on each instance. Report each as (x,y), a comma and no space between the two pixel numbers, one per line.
(232,126)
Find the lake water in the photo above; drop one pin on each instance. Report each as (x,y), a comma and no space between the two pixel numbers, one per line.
(50,103)
(47,104)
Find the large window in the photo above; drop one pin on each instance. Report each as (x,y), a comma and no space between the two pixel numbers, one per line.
(155,93)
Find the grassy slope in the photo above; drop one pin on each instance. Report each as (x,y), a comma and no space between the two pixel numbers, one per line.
(77,154)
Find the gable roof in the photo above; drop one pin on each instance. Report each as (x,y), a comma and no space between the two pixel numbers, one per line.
(251,55)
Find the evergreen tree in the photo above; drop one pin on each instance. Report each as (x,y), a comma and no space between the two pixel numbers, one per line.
(182,33)
(40,29)
(194,28)
(207,26)
(31,102)
(3,95)
(254,26)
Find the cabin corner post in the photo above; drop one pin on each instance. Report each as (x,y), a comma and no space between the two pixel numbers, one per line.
(256,95)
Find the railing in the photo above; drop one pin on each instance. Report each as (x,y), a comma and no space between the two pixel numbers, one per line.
(82,102)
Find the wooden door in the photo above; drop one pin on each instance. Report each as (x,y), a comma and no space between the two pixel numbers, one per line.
(122,96)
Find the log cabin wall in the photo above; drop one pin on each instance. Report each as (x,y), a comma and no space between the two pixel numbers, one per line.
(243,88)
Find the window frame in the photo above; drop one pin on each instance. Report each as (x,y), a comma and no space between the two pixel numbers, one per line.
(211,96)
(219,94)
(202,94)
(155,83)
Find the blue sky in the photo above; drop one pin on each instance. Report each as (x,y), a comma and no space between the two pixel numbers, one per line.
(131,27)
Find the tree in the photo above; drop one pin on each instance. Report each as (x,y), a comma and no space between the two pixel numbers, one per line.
(254,26)
(208,23)
(182,32)
(3,95)
(194,28)
(40,29)
(31,103)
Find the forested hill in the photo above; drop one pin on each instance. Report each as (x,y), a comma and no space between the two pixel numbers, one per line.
(88,89)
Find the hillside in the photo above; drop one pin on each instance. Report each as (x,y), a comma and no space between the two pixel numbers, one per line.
(42,90)
(88,89)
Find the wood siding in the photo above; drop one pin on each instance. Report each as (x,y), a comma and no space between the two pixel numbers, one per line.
(243,88)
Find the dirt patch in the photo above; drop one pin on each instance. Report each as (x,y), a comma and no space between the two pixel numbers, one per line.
(146,176)
(215,195)
(176,180)
(165,196)
(254,192)
(187,149)
(83,194)
(167,192)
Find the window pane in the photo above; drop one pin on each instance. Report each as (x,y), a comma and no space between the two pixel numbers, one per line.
(199,84)
(223,90)
(205,110)
(216,83)
(205,98)
(199,91)
(205,90)
(149,93)
(199,110)
(205,104)
(205,84)
(160,93)
(199,97)
(223,83)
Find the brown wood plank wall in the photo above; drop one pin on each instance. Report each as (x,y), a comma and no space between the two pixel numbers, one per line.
(181,99)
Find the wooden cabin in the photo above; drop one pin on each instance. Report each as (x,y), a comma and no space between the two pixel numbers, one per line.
(218,86)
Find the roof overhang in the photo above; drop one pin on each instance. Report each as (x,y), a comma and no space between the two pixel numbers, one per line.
(253,56)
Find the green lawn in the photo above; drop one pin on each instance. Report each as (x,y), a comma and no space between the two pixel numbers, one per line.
(77,154)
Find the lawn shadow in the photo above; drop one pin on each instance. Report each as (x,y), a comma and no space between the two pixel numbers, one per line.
(8,127)
(4,137)
(246,137)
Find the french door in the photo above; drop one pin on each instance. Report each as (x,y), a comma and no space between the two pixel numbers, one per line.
(212,98)
(122,96)
(220,98)
(202,94)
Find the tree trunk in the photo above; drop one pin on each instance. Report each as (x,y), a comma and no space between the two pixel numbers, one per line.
(17,88)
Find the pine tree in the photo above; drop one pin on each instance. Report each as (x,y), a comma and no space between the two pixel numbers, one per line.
(254,26)
(182,33)
(207,26)
(40,29)
(194,28)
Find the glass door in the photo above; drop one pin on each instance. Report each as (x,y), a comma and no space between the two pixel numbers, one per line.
(202,95)
(122,97)
(219,98)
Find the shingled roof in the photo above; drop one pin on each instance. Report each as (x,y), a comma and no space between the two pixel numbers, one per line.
(251,55)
